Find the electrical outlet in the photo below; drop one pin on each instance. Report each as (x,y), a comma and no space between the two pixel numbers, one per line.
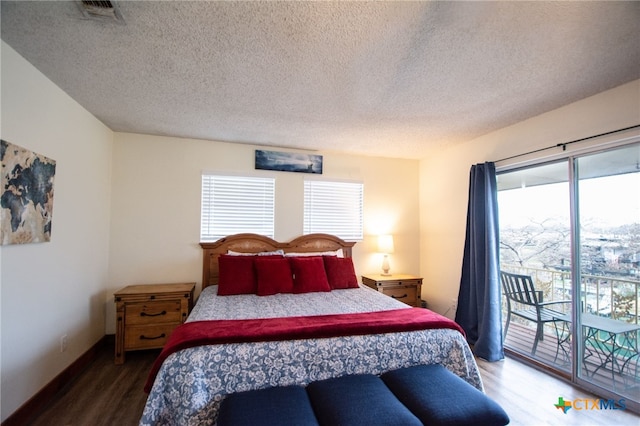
(454,304)
(64,342)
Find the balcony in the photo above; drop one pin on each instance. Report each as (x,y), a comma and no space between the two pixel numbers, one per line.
(611,360)
(610,297)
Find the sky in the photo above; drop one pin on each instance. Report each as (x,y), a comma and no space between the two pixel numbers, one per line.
(606,201)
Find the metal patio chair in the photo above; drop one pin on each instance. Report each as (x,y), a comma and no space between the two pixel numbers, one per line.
(525,301)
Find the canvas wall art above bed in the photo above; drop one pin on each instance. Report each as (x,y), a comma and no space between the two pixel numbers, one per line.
(277,314)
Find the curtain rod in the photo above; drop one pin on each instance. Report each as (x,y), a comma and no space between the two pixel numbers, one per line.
(564,144)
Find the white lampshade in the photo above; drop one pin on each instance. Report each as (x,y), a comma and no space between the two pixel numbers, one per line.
(385,244)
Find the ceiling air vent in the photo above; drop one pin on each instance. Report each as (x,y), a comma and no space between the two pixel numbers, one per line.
(101,10)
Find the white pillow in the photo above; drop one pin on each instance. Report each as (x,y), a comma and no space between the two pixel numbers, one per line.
(262,253)
(338,253)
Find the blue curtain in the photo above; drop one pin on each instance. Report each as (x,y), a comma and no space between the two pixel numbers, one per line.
(479,309)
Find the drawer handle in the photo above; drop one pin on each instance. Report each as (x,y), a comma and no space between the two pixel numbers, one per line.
(152,338)
(144,314)
(400,297)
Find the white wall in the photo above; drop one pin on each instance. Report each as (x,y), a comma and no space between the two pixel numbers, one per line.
(444,178)
(58,287)
(156,206)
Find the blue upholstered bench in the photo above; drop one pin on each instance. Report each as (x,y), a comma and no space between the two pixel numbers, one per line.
(358,400)
(426,394)
(438,397)
(279,406)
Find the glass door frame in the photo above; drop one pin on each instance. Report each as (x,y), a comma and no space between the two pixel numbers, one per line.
(578,375)
(600,145)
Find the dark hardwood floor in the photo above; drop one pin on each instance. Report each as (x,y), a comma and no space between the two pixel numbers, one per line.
(104,394)
(109,394)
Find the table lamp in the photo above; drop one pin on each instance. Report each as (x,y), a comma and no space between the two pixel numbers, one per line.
(385,246)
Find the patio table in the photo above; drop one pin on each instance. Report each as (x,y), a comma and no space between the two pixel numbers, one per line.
(607,340)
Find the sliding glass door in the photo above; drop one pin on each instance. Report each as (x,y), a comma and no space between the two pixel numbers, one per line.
(608,213)
(573,227)
(535,241)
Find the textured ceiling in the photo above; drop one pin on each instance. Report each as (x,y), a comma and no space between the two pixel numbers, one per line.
(377,78)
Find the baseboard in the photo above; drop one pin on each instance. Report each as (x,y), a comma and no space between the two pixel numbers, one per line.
(40,400)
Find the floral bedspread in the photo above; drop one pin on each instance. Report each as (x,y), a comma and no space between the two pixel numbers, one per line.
(347,301)
(191,383)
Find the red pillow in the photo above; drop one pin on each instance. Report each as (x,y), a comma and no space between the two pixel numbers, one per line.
(340,272)
(236,275)
(274,275)
(309,274)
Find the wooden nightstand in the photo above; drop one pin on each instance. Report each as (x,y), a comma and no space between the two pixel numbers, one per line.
(147,314)
(405,288)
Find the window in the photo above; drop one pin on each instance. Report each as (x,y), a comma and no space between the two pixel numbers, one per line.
(236,204)
(334,208)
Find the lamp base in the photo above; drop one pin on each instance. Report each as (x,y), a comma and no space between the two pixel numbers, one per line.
(385,266)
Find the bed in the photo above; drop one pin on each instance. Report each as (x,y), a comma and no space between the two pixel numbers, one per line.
(187,385)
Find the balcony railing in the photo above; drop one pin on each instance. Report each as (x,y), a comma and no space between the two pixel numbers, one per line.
(607,296)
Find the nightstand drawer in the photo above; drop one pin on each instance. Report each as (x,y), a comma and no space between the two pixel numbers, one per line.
(405,293)
(157,312)
(147,336)
(146,314)
(398,282)
(405,288)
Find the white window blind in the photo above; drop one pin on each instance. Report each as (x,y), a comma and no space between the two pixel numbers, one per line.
(236,204)
(334,208)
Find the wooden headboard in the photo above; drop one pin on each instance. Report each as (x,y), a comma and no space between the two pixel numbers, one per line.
(254,243)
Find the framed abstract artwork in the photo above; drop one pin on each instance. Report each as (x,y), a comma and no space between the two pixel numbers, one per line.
(26,195)
(288,162)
